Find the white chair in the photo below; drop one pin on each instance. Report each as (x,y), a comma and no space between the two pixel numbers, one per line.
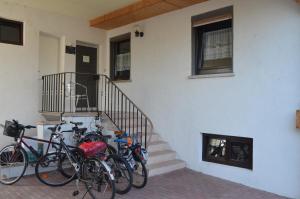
(71,93)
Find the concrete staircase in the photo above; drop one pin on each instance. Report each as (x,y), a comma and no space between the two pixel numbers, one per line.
(162,159)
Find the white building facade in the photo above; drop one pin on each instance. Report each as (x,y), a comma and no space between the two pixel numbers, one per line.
(259,100)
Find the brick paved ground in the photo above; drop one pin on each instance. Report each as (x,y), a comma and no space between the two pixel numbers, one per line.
(182,184)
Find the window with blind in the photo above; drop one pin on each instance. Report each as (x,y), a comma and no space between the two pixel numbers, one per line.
(11,32)
(212,42)
(120,57)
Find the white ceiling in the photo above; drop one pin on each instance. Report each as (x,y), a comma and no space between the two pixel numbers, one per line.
(84,9)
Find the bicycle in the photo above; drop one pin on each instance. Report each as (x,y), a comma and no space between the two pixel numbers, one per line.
(120,167)
(81,135)
(14,158)
(86,164)
(135,155)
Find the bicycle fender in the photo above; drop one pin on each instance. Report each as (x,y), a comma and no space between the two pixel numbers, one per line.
(108,169)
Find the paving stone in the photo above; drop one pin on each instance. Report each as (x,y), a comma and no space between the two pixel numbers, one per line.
(180,184)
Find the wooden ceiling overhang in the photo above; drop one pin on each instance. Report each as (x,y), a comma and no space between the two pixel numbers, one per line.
(140,10)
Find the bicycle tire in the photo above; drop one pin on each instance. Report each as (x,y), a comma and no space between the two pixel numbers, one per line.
(96,178)
(120,168)
(24,157)
(144,173)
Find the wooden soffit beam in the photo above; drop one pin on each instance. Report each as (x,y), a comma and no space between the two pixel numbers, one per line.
(140,10)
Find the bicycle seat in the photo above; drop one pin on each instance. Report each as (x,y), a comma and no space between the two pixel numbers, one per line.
(107,136)
(81,130)
(120,141)
(77,123)
(119,133)
(53,129)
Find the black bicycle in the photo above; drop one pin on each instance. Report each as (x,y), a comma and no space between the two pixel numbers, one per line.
(85,164)
(119,166)
(131,150)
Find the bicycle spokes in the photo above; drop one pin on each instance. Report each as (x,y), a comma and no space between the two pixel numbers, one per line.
(12,164)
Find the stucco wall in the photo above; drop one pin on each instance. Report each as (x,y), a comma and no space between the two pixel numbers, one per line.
(19,65)
(259,101)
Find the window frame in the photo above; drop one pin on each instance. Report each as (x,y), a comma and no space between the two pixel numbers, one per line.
(13,23)
(229,140)
(209,19)
(114,42)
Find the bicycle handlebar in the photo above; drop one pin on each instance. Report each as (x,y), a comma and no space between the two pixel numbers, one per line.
(21,126)
(29,127)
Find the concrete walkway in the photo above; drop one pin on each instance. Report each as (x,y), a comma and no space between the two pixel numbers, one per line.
(182,184)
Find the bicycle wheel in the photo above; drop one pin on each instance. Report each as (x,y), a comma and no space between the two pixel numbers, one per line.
(122,173)
(13,164)
(49,169)
(140,175)
(97,179)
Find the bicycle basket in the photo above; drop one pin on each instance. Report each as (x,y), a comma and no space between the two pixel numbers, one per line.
(11,129)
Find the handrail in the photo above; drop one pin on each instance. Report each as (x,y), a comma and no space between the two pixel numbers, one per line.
(131,105)
(109,100)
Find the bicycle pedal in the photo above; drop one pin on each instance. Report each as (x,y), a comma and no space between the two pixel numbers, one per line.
(75,193)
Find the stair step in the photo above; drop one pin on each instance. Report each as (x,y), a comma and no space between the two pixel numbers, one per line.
(119,115)
(56,116)
(157,146)
(132,122)
(137,129)
(165,167)
(154,137)
(51,116)
(161,156)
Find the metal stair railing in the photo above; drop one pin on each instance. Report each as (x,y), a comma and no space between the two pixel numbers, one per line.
(106,98)
(123,112)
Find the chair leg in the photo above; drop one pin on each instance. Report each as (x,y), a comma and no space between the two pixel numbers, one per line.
(76,103)
(88,103)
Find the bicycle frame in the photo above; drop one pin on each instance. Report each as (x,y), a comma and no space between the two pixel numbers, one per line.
(75,162)
(50,142)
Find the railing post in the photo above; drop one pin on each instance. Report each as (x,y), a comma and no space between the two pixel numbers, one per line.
(64,94)
(146,126)
(43,94)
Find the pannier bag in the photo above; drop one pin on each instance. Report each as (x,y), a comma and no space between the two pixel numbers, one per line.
(92,149)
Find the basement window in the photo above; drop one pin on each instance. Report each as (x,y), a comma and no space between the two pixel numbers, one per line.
(11,32)
(228,150)
(120,57)
(212,37)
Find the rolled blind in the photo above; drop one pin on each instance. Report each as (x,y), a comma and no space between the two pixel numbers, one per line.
(209,20)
